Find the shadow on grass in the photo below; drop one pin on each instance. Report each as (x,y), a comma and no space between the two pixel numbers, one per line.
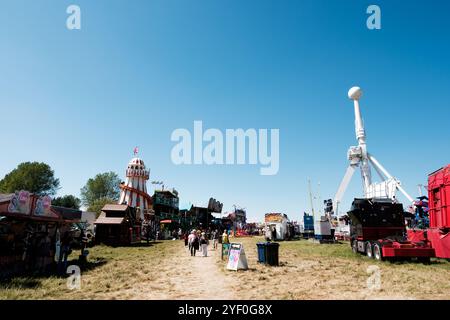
(33,279)
(21,283)
(91,264)
(135,245)
(145,244)
(20,279)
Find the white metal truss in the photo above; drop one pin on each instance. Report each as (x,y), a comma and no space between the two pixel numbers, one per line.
(359,157)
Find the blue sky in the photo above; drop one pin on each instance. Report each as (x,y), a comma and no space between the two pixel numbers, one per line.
(81,100)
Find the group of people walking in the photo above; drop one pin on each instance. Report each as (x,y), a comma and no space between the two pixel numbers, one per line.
(199,241)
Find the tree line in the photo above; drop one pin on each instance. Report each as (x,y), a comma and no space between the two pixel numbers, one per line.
(39,178)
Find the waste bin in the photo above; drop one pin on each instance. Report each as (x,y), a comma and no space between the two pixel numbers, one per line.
(261,252)
(272,253)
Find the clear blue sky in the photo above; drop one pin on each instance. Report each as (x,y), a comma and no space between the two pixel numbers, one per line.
(81,100)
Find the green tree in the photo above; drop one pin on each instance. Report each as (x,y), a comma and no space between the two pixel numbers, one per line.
(36,177)
(102,186)
(67,201)
(98,205)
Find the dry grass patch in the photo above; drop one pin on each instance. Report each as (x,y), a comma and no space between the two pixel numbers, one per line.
(166,270)
(313,271)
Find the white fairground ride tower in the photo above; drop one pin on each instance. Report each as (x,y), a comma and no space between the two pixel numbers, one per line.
(134,191)
(360,157)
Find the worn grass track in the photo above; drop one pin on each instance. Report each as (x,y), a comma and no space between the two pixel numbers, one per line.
(165,270)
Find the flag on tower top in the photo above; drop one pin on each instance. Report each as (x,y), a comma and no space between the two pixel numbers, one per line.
(136,150)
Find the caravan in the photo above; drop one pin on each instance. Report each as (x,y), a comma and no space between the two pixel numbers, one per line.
(277,226)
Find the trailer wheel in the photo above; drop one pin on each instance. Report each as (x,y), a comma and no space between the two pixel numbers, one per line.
(377,252)
(355,246)
(369,251)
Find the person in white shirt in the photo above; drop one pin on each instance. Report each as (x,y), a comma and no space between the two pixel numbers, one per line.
(204,244)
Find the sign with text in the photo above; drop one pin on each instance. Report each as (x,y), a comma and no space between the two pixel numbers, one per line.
(236,258)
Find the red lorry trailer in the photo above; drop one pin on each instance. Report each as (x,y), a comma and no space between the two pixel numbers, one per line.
(438,234)
(377,229)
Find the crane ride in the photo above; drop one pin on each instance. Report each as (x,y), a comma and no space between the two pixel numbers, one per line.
(377,221)
(360,157)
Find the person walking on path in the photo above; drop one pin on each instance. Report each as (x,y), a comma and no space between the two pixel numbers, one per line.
(191,239)
(216,237)
(186,239)
(195,243)
(225,237)
(199,235)
(204,243)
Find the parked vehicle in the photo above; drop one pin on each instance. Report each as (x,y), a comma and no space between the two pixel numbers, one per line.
(377,229)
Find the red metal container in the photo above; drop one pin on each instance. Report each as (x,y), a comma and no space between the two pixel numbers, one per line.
(440,241)
(439,198)
(439,204)
(417,235)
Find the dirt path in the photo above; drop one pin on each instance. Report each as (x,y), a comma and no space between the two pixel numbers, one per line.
(162,271)
(203,279)
(181,276)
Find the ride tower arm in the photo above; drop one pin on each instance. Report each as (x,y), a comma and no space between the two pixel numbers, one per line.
(343,186)
(380,168)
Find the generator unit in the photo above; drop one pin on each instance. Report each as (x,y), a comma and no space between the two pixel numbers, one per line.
(308,226)
(323,227)
(377,229)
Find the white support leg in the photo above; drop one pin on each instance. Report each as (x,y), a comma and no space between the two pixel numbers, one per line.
(380,174)
(343,186)
(378,166)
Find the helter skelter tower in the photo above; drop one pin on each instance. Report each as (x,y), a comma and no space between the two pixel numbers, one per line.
(134,191)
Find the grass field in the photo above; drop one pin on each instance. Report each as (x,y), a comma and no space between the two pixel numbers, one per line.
(165,270)
(332,271)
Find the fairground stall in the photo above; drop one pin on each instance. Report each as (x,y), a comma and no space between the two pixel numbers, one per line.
(166,207)
(277,226)
(118,224)
(33,233)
